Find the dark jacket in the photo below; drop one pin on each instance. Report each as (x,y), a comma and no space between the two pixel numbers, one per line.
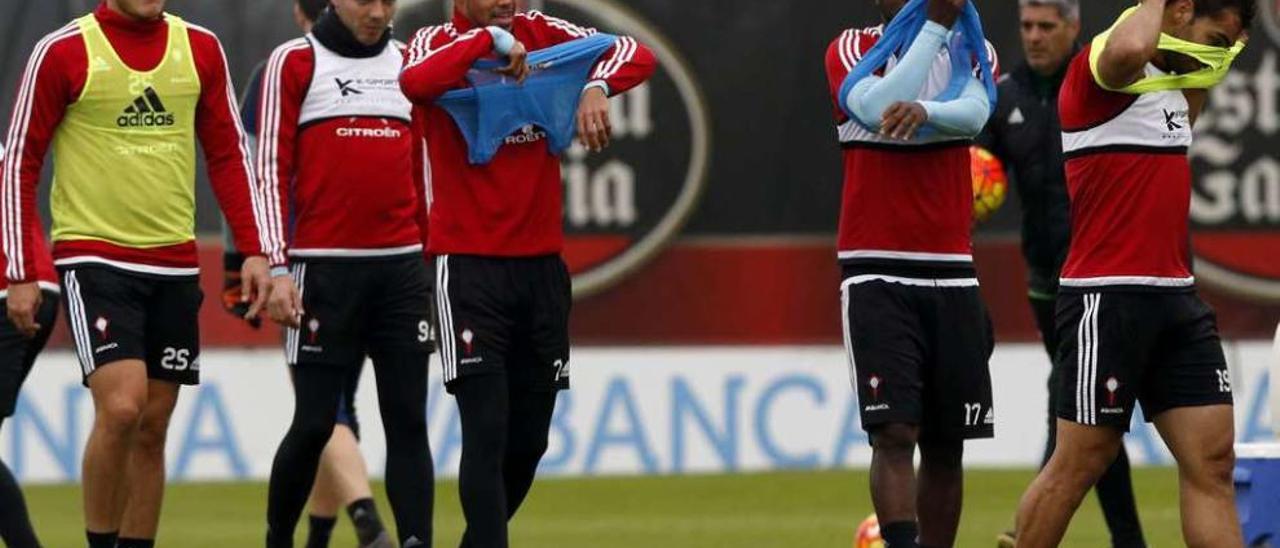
(1025,134)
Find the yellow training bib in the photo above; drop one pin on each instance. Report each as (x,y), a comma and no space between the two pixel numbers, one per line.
(124,155)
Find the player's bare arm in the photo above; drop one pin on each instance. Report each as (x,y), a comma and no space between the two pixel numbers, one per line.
(1133,44)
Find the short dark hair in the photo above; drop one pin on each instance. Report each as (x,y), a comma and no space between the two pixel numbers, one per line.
(312,8)
(1247,9)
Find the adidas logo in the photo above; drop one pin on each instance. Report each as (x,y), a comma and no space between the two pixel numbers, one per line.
(146,111)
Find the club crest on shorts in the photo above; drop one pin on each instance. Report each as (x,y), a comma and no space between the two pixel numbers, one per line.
(101,324)
(313,326)
(624,206)
(874,383)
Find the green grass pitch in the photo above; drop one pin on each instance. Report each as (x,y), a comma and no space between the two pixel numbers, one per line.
(798,509)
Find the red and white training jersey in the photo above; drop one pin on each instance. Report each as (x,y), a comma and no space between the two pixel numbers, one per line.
(905,203)
(1130,184)
(54,79)
(336,143)
(512,206)
(45,274)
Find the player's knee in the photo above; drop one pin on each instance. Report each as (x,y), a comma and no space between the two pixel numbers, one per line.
(314,429)
(943,454)
(528,449)
(1213,467)
(152,432)
(895,438)
(118,415)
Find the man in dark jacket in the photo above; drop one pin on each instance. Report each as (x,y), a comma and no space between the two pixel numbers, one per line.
(1025,134)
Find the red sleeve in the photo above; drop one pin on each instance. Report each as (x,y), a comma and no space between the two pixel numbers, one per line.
(624,66)
(53,79)
(437,62)
(844,53)
(422,175)
(284,88)
(226,149)
(838,64)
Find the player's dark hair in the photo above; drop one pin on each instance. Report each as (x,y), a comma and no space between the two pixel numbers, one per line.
(312,8)
(1248,9)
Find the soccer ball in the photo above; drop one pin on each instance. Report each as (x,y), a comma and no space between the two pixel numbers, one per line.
(990,184)
(868,534)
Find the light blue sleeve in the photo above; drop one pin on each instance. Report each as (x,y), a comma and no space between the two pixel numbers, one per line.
(964,116)
(873,95)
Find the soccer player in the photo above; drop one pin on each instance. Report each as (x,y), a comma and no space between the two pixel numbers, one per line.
(502,290)
(18,351)
(916,329)
(1024,133)
(335,133)
(342,480)
(1132,326)
(121,95)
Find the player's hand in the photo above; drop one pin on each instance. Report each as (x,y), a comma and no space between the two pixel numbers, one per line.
(255,278)
(518,68)
(903,119)
(285,304)
(233,288)
(945,12)
(23,302)
(594,128)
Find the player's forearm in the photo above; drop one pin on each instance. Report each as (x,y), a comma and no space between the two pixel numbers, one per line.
(964,116)
(871,97)
(1131,46)
(429,73)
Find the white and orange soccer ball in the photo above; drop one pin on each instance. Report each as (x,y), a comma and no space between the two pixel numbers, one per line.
(990,184)
(868,535)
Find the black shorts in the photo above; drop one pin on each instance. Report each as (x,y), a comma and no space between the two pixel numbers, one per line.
(18,353)
(358,309)
(505,314)
(116,315)
(1159,349)
(918,354)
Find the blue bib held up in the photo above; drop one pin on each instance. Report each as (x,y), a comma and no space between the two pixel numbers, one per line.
(496,106)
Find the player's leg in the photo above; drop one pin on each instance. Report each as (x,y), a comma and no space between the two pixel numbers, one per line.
(317,392)
(538,372)
(475,307)
(1115,488)
(106,313)
(401,345)
(15,523)
(146,467)
(1201,439)
(940,490)
(172,341)
(17,356)
(119,391)
(321,353)
(1084,452)
(527,433)
(1100,365)
(885,348)
(342,480)
(1119,507)
(1191,401)
(957,404)
(1042,308)
(484,408)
